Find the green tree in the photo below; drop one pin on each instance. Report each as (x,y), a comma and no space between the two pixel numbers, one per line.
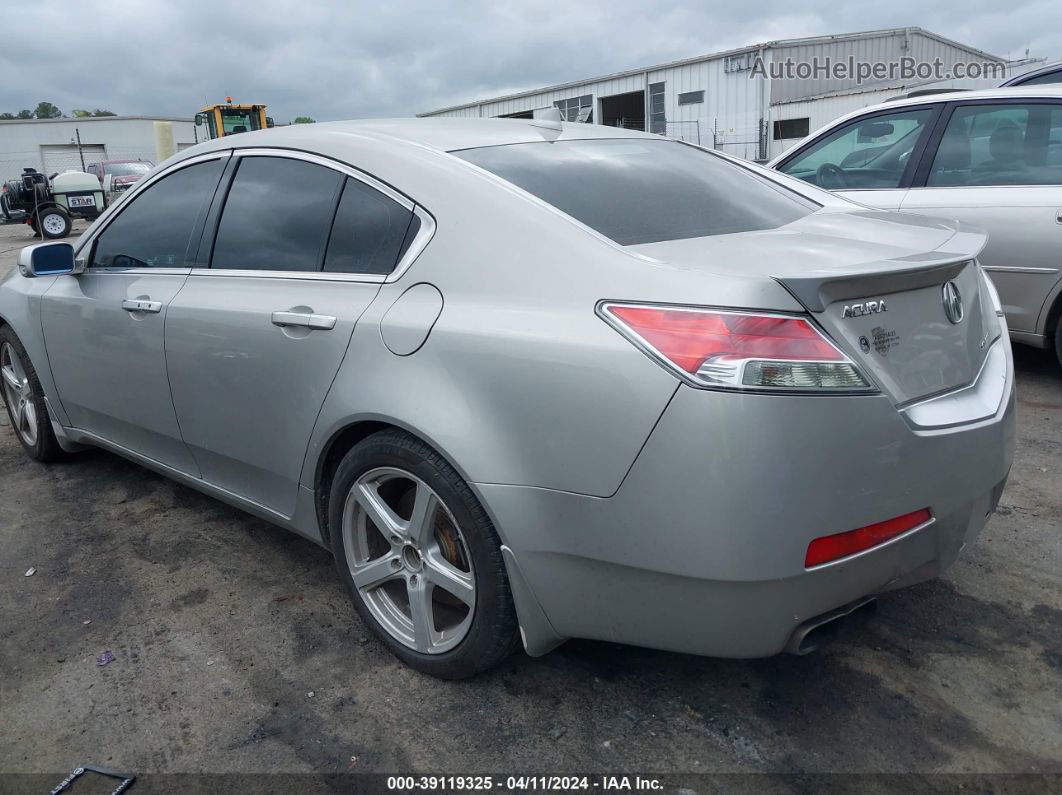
(304,120)
(6,116)
(25,114)
(46,110)
(99,112)
(80,114)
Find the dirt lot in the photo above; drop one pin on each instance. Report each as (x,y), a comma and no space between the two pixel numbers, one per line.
(236,651)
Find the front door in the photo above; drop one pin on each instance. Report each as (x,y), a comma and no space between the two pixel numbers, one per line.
(254,343)
(998,165)
(104,329)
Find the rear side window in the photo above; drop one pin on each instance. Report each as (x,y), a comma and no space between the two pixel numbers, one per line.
(1000,144)
(277,216)
(638,190)
(156,229)
(368,231)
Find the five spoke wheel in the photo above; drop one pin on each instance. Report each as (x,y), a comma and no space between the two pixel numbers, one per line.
(409,560)
(18,394)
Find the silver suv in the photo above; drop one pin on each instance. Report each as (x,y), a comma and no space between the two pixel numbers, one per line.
(992,158)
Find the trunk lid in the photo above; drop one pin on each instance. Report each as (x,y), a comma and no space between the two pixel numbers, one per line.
(875,282)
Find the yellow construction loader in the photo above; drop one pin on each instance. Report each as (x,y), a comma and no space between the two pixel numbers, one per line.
(229,118)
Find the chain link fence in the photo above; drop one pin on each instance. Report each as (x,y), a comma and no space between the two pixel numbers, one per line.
(749,142)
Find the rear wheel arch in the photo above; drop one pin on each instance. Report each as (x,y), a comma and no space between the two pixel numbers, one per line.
(342,442)
(1054,315)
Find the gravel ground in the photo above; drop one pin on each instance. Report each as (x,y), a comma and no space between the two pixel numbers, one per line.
(237,651)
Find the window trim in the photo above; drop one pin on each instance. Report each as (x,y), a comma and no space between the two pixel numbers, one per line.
(420,241)
(88,246)
(917,154)
(929,152)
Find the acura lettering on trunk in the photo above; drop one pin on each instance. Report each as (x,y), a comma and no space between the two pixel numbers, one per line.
(865,308)
(530,381)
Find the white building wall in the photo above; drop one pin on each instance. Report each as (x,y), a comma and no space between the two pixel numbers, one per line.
(739,107)
(730,114)
(22,142)
(885,47)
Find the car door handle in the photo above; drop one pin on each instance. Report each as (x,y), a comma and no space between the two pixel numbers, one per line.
(305,320)
(1058,217)
(140,305)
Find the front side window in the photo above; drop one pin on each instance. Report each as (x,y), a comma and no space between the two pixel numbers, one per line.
(1000,144)
(866,153)
(368,231)
(277,216)
(156,229)
(639,190)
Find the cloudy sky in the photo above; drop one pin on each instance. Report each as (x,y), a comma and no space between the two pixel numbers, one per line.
(336,59)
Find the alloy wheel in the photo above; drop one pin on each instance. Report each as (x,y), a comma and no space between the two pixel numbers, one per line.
(409,560)
(18,395)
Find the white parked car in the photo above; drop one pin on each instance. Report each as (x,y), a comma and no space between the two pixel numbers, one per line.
(992,158)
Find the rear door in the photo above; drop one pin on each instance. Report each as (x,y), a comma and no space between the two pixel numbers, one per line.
(254,341)
(869,159)
(998,164)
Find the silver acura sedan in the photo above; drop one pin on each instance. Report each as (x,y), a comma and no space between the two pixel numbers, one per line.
(532,381)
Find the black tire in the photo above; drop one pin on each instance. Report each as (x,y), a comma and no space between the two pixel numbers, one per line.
(45,447)
(47,217)
(494,631)
(1058,341)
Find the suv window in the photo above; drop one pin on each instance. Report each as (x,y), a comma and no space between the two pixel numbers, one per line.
(865,153)
(277,215)
(1000,144)
(368,231)
(644,190)
(155,229)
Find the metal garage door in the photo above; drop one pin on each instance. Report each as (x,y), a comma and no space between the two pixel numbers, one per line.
(64,157)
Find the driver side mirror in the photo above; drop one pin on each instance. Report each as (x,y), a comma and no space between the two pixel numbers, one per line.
(200,120)
(49,259)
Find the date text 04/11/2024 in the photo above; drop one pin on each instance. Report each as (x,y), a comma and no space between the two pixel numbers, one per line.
(523,783)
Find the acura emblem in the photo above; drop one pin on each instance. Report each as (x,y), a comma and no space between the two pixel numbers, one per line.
(953,303)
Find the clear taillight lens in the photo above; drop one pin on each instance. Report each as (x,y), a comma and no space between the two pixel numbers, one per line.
(738,350)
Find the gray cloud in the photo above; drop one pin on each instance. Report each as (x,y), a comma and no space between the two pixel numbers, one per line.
(336,60)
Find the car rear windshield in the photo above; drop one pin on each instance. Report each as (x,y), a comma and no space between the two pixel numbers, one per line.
(637,191)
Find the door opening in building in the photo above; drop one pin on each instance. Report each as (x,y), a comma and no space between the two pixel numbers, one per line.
(624,110)
(524,114)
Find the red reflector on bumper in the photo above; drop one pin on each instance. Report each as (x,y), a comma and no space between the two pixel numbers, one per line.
(829,548)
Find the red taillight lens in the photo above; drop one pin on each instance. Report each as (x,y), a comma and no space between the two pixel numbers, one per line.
(830,548)
(739,349)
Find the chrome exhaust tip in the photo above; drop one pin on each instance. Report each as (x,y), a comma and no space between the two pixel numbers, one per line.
(816,632)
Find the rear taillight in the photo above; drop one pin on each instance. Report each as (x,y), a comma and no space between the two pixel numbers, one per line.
(738,350)
(842,545)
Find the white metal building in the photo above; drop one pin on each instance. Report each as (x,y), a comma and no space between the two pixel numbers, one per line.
(732,100)
(51,145)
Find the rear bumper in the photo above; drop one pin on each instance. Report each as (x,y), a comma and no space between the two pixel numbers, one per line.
(701,550)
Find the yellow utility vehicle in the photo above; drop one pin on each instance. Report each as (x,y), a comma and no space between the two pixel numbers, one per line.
(228,118)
